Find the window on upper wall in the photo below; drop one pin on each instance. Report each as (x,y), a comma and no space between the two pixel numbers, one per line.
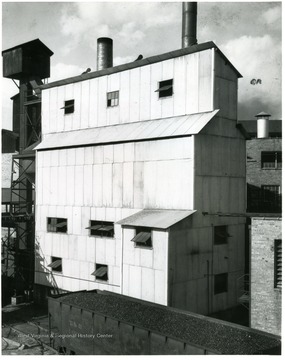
(220,283)
(68,107)
(271,160)
(101,228)
(57,225)
(165,88)
(101,272)
(56,264)
(271,194)
(143,238)
(221,235)
(278,263)
(112,98)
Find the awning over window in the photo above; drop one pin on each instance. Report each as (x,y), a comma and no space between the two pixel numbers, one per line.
(185,125)
(142,237)
(55,263)
(163,88)
(100,272)
(61,224)
(101,227)
(160,219)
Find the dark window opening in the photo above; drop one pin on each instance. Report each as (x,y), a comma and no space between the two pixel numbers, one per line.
(271,160)
(165,88)
(112,98)
(220,235)
(101,272)
(278,264)
(101,228)
(68,107)
(56,264)
(57,225)
(271,195)
(143,237)
(221,283)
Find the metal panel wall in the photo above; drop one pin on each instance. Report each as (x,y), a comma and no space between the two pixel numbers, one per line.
(192,79)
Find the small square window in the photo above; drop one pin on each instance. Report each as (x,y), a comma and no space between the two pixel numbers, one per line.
(220,235)
(143,238)
(112,98)
(68,107)
(271,160)
(101,228)
(57,225)
(101,272)
(56,264)
(221,283)
(165,88)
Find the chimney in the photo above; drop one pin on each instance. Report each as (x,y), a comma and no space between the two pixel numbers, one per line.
(262,125)
(189,24)
(104,53)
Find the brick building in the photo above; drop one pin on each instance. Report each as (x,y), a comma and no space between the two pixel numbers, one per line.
(266,276)
(264,188)
(264,166)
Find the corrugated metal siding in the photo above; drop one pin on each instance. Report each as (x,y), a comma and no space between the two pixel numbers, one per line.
(143,130)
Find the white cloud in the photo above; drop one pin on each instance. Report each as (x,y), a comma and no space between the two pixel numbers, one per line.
(272,15)
(61,71)
(257,58)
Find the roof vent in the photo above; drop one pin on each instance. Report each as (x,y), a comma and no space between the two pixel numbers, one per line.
(262,125)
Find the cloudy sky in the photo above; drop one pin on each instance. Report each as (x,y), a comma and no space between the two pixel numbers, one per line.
(249,34)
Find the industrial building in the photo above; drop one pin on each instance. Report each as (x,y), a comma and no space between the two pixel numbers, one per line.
(264,189)
(134,163)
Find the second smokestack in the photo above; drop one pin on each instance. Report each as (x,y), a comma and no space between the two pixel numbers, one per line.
(104,53)
(189,24)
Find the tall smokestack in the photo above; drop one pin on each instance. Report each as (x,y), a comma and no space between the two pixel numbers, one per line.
(189,24)
(262,125)
(104,53)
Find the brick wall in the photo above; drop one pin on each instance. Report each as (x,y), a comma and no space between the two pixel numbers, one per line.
(256,176)
(265,310)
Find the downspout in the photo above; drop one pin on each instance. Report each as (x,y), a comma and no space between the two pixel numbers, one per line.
(213,79)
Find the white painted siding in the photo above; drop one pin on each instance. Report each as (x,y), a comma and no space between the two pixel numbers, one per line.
(144,270)
(192,79)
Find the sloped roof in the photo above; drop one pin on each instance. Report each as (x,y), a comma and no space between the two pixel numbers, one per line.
(159,219)
(140,63)
(217,336)
(178,126)
(33,46)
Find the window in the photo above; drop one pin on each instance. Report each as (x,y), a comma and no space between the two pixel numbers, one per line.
(101,228)
(165,88)
(271,194)
(56,264)
(278,264)
(68,107)
(101,272)
(220,235)
(271,160)
(57,225)
(143,237)
(221,283)
(112,98)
